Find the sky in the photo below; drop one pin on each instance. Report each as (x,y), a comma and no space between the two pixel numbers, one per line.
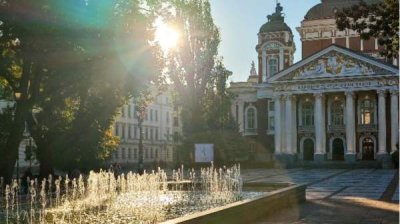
(239,22)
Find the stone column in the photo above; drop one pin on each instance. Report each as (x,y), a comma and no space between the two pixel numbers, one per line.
(281,59)
(294,124)
(240,119)
(319,123)
(278,128)
(264,65)
(288,124)
(381,122)
(350,127)
(394,116)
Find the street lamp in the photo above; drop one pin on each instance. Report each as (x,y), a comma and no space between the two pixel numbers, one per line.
(140,114)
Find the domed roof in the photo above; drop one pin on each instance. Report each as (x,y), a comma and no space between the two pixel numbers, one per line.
(326,9)
(276,22)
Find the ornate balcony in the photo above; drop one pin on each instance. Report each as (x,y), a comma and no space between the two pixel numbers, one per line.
(336,128)
(367,128)
(306,129)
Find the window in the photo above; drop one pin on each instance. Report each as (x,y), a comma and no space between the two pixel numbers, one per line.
(123,153)
(156,134)
(337,113)
(116,154)
(116,129)
(271,106)
(147,133)
(151,114)
(151,133)
(176,122)
(129,153)
(251,118)
(129,111)
(156,153)
(151,153)
(273,66)
(135,131)
(367,111)
(146,116)
(167,136)
(135,153)
(146,153)
(129,131)
(167,117)
(271,123)
(307,114)
(123,131)
(156,115)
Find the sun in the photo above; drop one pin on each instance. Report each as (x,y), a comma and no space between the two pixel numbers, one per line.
(166,36)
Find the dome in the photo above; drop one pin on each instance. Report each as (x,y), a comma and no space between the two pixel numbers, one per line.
(326,9)
(276,22)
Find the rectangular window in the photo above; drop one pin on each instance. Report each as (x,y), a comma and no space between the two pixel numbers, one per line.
(135,131)
(176,121)
(146,116)
(129,111)
(271,106)
(116,129)
(129,153)
(123,131)
(151,153)
(117,154)
(129,131)
(271,123)
(156,134)
(151,114)
(146,153)
(123,153)
(151,133)
(135,153)
(167,117)
(167,135)
(147,133)
(156,115)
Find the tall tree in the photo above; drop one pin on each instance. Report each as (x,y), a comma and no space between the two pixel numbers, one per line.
(75,63)
(379,20)
(191,64)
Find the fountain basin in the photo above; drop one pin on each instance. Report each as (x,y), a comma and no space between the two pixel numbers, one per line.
(248,210)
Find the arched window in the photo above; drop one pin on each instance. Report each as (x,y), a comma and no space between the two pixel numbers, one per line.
(367,108)
(337,112)
(273,66)
(251,118)
(307,114)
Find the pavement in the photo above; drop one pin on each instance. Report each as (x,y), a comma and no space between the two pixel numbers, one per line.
(335,195)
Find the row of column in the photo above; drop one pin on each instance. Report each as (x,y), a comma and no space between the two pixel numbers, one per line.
(286,124)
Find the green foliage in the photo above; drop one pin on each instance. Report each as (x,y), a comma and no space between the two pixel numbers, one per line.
(379,20)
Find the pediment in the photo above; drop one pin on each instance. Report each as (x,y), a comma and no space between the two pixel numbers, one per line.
(335,62)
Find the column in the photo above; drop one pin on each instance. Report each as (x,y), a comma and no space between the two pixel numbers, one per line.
(294,125)
(394,116)
(350,127)
(264,65)
(381,122)
(281,59)
(240,119)
(319,123)
(288,124)
(277,131)
(283,124)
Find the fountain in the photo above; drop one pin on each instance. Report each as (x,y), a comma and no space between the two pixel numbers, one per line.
(103,197)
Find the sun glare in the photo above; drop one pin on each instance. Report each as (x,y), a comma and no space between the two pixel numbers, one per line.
(166,36)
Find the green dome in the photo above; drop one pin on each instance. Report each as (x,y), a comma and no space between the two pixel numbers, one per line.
(276,22)
(326,9)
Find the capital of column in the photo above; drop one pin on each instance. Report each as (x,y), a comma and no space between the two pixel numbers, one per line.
(394,92)
(278,97)
(264,53)
(319,95)
(290,97)
(350,94)
(381,92)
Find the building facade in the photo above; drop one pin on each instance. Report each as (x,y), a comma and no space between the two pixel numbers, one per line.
(339,103)
(161,128)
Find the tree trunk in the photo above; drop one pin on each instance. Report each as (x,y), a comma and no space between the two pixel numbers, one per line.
(45,159)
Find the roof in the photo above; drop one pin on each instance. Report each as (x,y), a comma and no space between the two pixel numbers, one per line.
(326,9)
(276,22)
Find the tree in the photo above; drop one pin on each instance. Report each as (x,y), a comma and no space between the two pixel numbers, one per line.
(191,64)
(379,20)
(55,61)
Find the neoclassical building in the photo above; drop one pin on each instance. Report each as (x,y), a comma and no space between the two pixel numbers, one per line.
(340,102)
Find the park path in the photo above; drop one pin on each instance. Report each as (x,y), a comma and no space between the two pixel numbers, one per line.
(335,195)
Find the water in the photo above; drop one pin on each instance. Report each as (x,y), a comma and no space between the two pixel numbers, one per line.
(103,197)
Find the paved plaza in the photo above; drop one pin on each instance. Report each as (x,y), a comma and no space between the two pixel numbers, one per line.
(335,195)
